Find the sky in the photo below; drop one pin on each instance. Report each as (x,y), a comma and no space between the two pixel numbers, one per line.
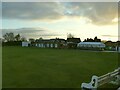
(57,19)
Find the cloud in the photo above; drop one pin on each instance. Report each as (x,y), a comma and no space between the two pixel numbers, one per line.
(110,36)
(32,32)
(31,10)
(22,30)
(60,0)
(99,13)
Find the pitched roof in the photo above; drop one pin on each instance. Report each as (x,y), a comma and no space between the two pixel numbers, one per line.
(74,40)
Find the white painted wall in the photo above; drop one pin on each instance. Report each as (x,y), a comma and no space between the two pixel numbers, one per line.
(25,44)
(118,49)
(47,45)
(51,45)
(56,45)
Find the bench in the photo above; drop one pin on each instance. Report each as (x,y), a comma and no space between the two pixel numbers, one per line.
(111,77)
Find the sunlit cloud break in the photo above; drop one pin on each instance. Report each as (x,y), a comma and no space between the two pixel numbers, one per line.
(99,13)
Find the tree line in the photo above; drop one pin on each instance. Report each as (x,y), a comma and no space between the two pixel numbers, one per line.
(12,39)
(92,40)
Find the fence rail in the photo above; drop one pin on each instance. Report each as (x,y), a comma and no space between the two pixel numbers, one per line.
(111,77)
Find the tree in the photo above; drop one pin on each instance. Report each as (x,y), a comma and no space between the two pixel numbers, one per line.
(9,36)
(70,35)
(85,40)
(18,37)
(96,39)
(89,40)
(40,38)
(23,39)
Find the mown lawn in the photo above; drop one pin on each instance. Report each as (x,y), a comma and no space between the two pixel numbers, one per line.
(53,68)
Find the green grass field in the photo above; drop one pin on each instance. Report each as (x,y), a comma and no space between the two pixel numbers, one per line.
(53,68)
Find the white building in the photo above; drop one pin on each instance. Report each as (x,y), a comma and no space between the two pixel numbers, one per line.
(25,44)
(118,49)
(91,45)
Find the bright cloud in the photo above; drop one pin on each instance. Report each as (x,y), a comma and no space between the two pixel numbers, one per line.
(99,13)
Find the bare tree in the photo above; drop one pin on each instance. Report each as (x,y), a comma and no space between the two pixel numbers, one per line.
(18,37)
(70,35)
(40,38)
(9,36)
(23,39)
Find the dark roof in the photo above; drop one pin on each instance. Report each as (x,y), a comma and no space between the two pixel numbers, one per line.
(74,40)
(58,40)
(43,40)
(110,43)
(50,40)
